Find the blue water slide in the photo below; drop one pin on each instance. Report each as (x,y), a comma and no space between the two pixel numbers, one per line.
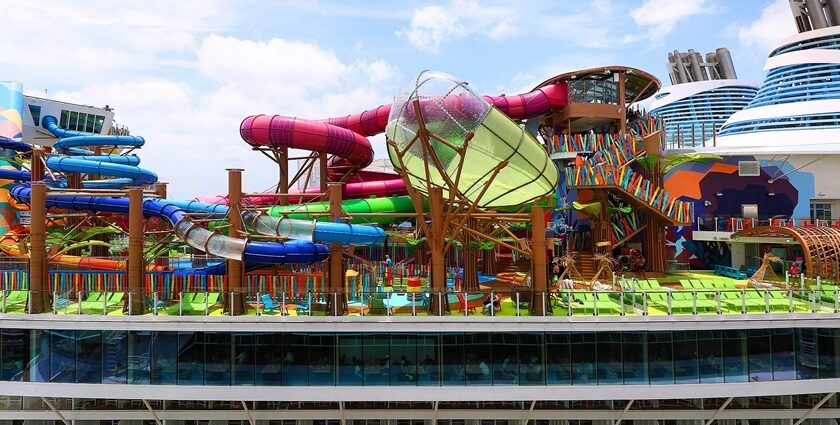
(303,230)
(250,252)
(124,168)
(15,145)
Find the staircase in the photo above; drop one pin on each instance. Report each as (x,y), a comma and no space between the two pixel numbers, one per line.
(633,187)
(585,264)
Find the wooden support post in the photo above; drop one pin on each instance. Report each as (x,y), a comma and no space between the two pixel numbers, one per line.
(37,164)
(163,225)
(488,262)
(622,104)
(436,241)
(235,304)
(539,262)
(136,263)
(38,269)
(322,175)
(470,282)
(283,183)
(336,265)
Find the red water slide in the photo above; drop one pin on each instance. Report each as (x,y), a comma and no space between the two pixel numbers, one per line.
(346,137)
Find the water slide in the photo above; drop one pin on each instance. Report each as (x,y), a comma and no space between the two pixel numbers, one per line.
(123,167)
(302,249)
(346,139)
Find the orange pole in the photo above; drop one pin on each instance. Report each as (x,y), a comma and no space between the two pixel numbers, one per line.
(283,184)
(136,264)
(622,104)
(38,277)
(322,174)
(436,240)
(538,260)
(235,270)
(336,268)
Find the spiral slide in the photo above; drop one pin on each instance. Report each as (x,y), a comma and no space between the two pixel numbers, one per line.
(346,139)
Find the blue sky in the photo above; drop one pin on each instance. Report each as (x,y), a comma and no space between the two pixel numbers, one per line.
(184,74)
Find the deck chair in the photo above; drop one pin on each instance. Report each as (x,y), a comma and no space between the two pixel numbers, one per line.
(463,304)
(376,305)
(16,298)
(269,307)
(183,305)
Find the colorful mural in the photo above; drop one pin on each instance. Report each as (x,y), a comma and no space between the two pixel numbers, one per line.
(11,127)
(718,191)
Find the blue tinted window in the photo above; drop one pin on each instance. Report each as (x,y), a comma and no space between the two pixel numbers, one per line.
(35,111)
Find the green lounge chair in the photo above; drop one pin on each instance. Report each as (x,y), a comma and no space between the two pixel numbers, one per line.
(103,304)
(15,298)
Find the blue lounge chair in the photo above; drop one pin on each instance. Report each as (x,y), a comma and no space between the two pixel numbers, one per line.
(269,306)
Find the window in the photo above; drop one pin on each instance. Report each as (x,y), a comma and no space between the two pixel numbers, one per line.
(749,168)
(820,211)
(35,110)
(80,121)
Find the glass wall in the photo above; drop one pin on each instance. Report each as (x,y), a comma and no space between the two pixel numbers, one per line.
(414,359)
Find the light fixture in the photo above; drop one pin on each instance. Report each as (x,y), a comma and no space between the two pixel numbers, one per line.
(719,194)
(771,194)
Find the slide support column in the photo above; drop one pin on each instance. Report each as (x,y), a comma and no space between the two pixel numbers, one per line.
(234,295)
(437,242)
(38,271)
(539,282)
(336,267)
(136,265)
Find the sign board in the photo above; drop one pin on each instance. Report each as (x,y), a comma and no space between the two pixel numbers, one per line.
(25,217)
(749,210)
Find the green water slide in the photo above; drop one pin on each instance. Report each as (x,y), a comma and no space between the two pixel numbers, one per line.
(320,210)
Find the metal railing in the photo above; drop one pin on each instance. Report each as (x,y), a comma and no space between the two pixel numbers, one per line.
(569,303)
(736,224)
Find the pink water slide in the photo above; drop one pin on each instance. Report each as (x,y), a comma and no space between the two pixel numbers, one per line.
(345,138)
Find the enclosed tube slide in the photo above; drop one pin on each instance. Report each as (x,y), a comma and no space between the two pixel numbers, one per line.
(194,235)
(346,137)
(123,167)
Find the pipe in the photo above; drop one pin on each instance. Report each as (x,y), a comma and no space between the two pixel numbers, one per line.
(696,69)
(834,11)
(724,60)
(680,67)
(815,12)
(714,70)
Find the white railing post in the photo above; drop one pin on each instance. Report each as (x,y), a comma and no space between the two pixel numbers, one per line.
(258,304)
(517,304)
(181,303)
(155,301)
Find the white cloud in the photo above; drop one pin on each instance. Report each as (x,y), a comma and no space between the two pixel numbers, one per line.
(176,77)
(192,134)
(774,24)
(431,26)
(660,17)
(84,41)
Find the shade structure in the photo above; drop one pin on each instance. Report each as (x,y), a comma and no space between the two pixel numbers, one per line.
(451,110)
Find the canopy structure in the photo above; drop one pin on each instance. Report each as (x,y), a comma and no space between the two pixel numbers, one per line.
(639,84)
(820,244)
